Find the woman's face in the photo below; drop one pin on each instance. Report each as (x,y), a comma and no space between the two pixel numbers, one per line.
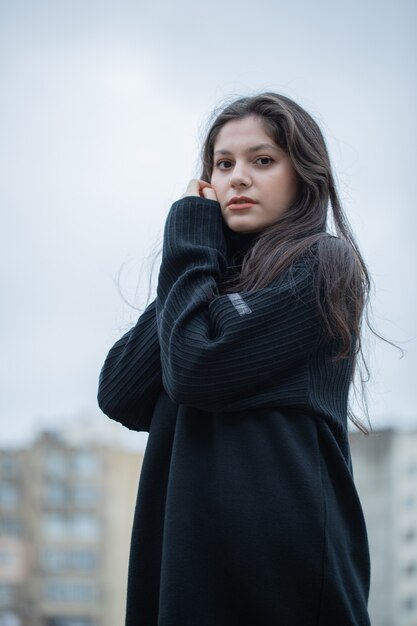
(254,179)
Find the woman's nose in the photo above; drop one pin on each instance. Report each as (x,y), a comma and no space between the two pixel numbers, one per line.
(239,177)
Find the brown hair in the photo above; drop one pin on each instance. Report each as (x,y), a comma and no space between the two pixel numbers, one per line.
(343,281)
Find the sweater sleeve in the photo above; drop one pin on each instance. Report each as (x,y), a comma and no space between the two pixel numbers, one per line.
(217,350)
(131,377)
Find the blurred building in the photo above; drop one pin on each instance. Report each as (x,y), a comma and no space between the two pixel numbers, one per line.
(385,471)
(66,509)
(65,521)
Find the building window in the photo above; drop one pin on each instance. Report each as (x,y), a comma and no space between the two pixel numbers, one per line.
(409,604)
(9,496)
(411,469)
(86,463)
(7,594)
(55,526)
(11,526)
(409,503)
(78,526)
(70,621)
(85,527)
(10,619)
(55,464)
(55,494)
(410,534)
(410,569)
(8,465)
(61,560)
(85,496)
(70,591)
(6,557)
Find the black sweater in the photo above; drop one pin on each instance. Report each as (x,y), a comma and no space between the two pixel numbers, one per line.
(247,511)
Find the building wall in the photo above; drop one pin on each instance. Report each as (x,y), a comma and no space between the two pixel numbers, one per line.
(15,550)
(65,520)
(122,478)
(385,472)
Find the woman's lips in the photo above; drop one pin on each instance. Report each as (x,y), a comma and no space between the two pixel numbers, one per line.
(239,203)
(239,206)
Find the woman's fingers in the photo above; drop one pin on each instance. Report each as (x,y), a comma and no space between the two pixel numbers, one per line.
(208,192)
(201,189)
(193,188)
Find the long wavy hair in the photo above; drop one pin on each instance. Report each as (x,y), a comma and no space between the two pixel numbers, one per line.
(343,281)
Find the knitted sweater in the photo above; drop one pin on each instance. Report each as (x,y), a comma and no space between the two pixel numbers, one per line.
(247,511)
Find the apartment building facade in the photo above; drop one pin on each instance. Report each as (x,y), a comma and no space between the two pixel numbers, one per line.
(385,471)
(65,522)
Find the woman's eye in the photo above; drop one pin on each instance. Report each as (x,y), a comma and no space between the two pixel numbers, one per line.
(223,165)
(265,160)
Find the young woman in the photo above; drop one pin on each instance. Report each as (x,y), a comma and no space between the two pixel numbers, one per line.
(240,370)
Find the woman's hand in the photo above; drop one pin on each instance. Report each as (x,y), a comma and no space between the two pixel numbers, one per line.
(201,189)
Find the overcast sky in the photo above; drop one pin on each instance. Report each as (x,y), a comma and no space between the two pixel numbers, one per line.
(101,111)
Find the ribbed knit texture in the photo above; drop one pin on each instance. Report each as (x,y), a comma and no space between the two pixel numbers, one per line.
(247,512)
(211,355)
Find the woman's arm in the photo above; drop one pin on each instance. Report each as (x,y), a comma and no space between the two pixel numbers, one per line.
(216,350)
(131,377)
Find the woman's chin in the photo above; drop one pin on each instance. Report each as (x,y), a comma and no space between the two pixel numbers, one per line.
(242,226)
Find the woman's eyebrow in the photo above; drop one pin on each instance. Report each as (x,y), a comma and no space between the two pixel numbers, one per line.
(260,146)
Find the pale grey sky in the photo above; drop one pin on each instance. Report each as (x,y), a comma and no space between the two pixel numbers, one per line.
(102,107)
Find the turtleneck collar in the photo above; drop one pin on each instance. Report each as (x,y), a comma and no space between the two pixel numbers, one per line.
(239,243)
